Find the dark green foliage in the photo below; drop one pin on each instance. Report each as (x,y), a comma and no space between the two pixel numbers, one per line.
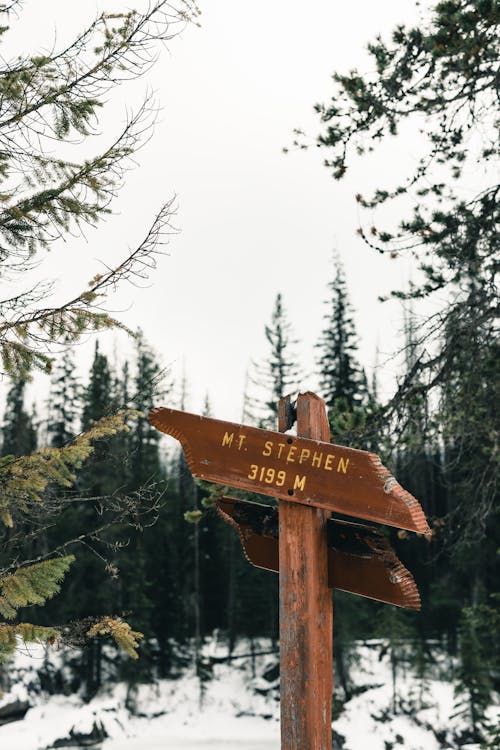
(64,402)
(478,631)
(342,380)
(18,432)
(149,387)
(98,402)
(145,569)
(352,408)
(109,520)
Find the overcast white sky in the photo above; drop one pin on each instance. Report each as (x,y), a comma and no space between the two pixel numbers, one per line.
(252,220)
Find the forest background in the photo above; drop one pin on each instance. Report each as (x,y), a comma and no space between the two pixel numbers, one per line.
(149,549)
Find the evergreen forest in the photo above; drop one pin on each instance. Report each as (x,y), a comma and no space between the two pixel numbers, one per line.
(151,549)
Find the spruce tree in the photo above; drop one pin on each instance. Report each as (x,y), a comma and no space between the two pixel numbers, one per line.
(139,562)
(64,402)
(416,456)
(55,98)
(18,433)
(473,680)
(98,403)
(149,387)
(90,595)
(279,373)
(341,378)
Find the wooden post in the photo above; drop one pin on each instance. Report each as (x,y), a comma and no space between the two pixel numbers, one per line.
(306,611)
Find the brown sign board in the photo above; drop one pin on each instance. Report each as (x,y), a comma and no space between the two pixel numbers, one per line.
(360,560)
(300,470)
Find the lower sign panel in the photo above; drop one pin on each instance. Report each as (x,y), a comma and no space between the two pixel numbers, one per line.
(360,559)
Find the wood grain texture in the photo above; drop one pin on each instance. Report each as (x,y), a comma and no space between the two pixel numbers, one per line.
(306,611)
(360,559)
(305,470)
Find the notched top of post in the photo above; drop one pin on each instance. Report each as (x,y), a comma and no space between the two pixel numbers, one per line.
(287,413)
(296,469)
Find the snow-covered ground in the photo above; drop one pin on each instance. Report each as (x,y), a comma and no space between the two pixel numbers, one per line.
(180,744)
(236,710)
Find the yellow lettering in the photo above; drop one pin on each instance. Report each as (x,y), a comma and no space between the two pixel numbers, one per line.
(268,447)
(270,474)
(281,447)
(317,459)
(241,438)
(228,439)
(281,478)
(328,462)
(343,464)
(304,455)
(299,483)
(253,471)
(290,457)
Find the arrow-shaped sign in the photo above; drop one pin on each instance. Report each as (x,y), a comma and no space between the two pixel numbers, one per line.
(360,559)
(296,469)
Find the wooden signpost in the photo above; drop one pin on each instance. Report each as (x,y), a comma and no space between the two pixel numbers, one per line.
(311,551)
(303,469)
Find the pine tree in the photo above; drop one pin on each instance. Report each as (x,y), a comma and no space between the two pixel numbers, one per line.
(139,563)
(98,403)
(64,402)
(417,459)
(90,595)
(342,380)
(279,374)
(276,376)
(473,684)
(46,99)
(18,434)
(149,388)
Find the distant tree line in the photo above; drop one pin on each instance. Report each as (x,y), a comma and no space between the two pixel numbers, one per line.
(177,573)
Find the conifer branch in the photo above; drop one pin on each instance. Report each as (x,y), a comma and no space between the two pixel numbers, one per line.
(24,479)
(24,333)
(27,633)
(32,585)
(121,632)
(120,47)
